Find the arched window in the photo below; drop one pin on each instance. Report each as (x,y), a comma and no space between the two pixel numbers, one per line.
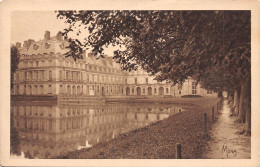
(61,89)
(49,89)
(194,88)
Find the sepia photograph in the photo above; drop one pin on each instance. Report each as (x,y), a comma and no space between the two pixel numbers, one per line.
(131,84)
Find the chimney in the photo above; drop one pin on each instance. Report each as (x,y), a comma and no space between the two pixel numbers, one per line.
(59,36)
(47,35)
(18,44)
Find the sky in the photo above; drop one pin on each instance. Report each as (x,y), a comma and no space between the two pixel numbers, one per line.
(33,24)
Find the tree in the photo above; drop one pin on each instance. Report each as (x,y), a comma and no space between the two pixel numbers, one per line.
(15,56)
(173,45)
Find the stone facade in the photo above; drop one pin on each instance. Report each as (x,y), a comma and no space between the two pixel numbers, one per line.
(45,70)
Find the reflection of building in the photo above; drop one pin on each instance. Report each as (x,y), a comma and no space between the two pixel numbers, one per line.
(46,130)
(44,70)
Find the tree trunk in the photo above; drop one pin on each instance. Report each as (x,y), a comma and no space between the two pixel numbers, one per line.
(245,105)
(236,103)
(248,111)
(242,111)
(220,95)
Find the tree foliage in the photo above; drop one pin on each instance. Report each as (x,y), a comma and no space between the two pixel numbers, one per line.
(15,56)
(214,47)
(173,45)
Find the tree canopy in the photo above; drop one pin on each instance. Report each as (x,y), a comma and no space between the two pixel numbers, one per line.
(15,56)
(172,45)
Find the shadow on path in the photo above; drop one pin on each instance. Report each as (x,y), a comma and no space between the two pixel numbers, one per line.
(225,142)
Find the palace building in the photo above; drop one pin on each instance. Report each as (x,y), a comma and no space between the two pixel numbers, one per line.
(45,70)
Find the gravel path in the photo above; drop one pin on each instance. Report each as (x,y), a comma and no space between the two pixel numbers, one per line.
(225,141)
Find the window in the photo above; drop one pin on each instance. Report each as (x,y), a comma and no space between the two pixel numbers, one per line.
(41,75)
(87,89)
(133,90)
(49,89)
(24,89)
(30,75)
(87,77)
(17,77)
(209,92)
(72,75)
(146,80)
(60,76)
(67,75)
(77,76)
(17,90)
(36,75)
(179,88)
(41,89)
(167,90)
(50,75)
(61,91)
(36,89)
(143,90)
(135,80)
(194,88)
(154,90)
(25,75)
(126,81)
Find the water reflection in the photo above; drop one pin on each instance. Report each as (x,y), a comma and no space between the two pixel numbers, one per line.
(44,131)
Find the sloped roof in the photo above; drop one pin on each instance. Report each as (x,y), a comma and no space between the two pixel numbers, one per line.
(46,46)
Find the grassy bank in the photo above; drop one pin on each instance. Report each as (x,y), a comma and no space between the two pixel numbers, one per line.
(159,139)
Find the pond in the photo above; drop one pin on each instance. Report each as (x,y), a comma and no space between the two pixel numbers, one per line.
(40,130)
